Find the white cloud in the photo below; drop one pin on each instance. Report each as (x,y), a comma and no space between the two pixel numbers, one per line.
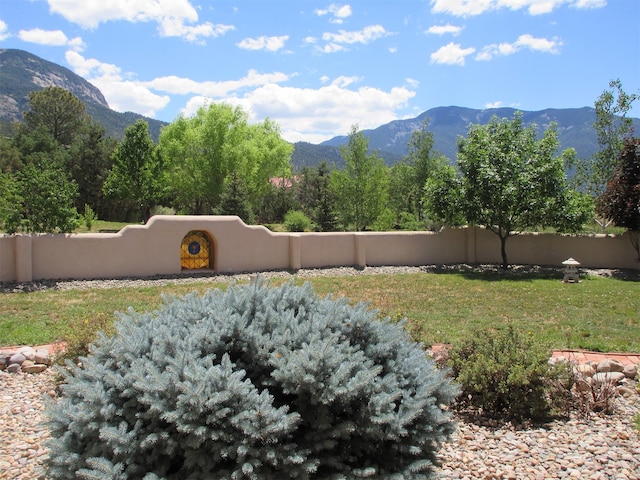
(412,82)
(54,38)
(343,81)
(271,44)
(539,44)
(464,8)
(497,104)
(172,16)
(451,54)
(122,95)
(337,41)
(4,34)
(444,29)
(184,86)
(315,115)
(366,35)
(524,41)
(338,12)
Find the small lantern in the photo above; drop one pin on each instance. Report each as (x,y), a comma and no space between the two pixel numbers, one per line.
(571,271)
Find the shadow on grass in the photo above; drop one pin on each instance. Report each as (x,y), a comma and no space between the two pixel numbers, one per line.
(494,273)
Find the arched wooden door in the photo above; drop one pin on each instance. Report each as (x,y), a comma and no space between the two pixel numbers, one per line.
(195,251)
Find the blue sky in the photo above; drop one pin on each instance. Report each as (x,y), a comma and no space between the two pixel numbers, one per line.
(319,67)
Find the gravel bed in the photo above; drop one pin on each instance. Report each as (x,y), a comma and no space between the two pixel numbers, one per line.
(212,277)
(594,448)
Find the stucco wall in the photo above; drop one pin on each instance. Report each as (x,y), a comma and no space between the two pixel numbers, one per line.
(154,249)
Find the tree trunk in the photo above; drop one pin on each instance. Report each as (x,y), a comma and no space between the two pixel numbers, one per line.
(503,250)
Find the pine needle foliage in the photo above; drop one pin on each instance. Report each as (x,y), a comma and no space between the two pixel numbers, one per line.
(256,382)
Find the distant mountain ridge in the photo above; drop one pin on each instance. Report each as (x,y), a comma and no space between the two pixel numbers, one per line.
(574,126)
(22,72)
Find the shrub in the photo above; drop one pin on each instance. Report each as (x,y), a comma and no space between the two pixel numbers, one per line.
(505,374)
(296,221)
(253,382)
(89,216)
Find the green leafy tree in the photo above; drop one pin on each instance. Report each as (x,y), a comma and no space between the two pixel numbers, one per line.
(425,162)
(402,190)
(203,150)
(621,200)
(136,177)
(612,126)
(512,182)
(10,202)
(443,200)
(361,188)
(59,111)
(45,196)
(44,192)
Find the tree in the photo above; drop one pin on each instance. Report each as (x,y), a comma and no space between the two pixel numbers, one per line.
(315,196)
(234,200)
(443,199)
(425,161)
(361,188)
(45,198)
(203,150)
(10,202)
(612,126)
(621,200)
(89,164)
(137,173)
(58,110)
(512,182)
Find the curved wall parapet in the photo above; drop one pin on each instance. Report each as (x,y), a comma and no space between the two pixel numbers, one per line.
(155,249)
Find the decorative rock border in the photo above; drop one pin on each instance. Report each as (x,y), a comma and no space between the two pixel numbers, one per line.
(606,372)
(26,360)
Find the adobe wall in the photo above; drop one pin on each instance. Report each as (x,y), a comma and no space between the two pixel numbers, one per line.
(154,249)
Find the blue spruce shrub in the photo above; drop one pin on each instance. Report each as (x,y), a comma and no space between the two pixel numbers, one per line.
(254,382)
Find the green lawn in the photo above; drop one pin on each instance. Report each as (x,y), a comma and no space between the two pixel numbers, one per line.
(597,313)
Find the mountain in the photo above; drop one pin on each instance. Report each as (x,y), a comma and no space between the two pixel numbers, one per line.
(574,125)
(22,72)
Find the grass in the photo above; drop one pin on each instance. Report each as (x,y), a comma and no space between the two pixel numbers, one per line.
(101,225)
(596,314)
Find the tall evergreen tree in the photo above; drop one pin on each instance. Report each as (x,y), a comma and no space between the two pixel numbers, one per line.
(235,200)
(59,111)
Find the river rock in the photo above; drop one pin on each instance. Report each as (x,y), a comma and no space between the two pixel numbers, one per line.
(14,368)
(630,371)
(610,365)
(43,356)
(608,377)
(28,352)
(586,369)
(34,368)
(17,358)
